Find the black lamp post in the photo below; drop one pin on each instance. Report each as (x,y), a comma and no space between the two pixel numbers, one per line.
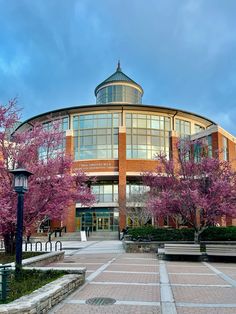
(20,186)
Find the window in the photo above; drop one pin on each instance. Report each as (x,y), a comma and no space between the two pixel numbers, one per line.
(119,93)
(203,148)
(198,128)
(183,127)
(105,192)
(134,188)
(209,144)
(225,148)
(146,135)
(96,136)
(46,151)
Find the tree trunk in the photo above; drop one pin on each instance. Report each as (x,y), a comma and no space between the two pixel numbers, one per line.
(10,243)
(196,236)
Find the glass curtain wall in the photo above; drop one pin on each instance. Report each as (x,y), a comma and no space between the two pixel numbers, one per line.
(147,135)
(198,128)
(119,94)
(64,125)
(203,148)
(96,136)
(105,192)
(134,188)
(183,128)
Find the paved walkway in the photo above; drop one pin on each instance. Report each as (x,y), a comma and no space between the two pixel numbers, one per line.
(139,283)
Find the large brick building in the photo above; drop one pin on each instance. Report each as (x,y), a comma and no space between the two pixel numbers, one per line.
(115,140)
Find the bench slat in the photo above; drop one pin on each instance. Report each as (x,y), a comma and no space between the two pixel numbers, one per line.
(221,250)
(182,249)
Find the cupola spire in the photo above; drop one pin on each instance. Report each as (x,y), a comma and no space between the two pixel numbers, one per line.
(118,67)
(118,88)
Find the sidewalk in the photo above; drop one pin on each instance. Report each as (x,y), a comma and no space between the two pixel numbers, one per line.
(139,283)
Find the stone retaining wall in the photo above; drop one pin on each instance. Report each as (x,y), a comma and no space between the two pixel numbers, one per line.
(152,246)
(42,259)
(140,247)
(43,299)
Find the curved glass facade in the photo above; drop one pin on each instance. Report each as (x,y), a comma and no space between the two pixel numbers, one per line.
(96,136)
(47,125)
(119,94)
(147,135)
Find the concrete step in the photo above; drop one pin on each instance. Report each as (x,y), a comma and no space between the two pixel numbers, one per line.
(75,236)
(68,236)
(35,238)
(103,235)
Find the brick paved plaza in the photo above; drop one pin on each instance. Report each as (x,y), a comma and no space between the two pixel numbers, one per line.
(140,283)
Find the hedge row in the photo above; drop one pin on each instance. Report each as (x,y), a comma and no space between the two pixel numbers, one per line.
(167,234)
(219,234)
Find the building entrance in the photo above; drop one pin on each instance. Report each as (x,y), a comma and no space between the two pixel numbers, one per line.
(103,224)
(97,219)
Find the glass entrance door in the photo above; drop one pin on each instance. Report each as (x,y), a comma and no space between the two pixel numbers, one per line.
(96,219)
(103,223)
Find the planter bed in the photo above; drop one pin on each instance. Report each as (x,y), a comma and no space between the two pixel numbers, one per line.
(44,298)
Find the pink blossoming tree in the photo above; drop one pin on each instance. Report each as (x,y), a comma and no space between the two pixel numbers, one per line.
(197,192)
(52,187)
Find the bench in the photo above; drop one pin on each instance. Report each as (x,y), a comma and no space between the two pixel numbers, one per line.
(182,249)
(220,250)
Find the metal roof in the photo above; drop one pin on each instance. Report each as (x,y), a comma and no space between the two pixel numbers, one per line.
(87,108)
(118,76)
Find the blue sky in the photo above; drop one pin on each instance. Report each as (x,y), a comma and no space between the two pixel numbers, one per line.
(53,53)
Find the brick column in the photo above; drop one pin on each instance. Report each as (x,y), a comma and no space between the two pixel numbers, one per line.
(173,145)
(122,176)
(216,145)
(69,143)
(69,220)
(231,152)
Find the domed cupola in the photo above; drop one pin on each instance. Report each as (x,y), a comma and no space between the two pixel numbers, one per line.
(118,89)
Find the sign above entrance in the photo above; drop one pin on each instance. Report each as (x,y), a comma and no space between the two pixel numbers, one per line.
(88,166)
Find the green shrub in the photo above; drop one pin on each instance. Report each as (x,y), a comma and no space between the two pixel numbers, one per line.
(219,234)
(161,234)
(168,234)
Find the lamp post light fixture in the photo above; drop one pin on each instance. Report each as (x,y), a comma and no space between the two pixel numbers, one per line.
(20,186)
